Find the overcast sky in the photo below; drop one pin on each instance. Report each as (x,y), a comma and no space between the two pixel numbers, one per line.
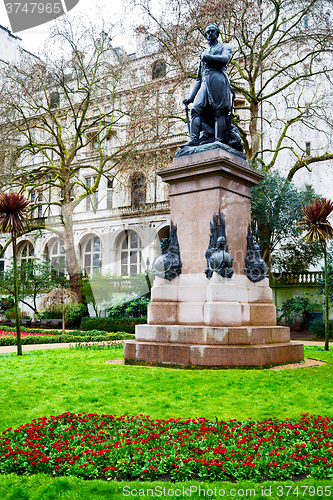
(33,39)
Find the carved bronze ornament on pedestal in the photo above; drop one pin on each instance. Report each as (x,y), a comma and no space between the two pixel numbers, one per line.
(255,267)
(218,258)
(168,265)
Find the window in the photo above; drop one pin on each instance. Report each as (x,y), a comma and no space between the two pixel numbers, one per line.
(108,142)
(306,21)
(308,148)
(33,201)
(159,70)
(37,198)
(130,254)
(40,207)
(328,19)
(54,100)
(57,257)
(72,193)
(109,193)
(92,199)
(92,256)
(138,190)
(26,251)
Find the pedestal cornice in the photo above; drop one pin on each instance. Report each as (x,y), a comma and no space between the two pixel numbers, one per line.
(207,163)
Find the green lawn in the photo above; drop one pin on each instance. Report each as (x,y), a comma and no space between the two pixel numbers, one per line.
(56,381)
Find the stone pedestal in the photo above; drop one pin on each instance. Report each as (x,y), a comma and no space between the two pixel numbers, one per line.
(221,322)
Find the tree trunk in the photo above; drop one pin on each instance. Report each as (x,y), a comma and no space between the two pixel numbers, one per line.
(16,298)
(63,315)
(327,326)
(255,140)
(72,265)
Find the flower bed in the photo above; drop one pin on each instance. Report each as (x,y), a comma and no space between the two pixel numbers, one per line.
(24,334)
(110,447)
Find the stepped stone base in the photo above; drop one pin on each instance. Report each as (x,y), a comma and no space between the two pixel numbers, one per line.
(221,356)
(203,346)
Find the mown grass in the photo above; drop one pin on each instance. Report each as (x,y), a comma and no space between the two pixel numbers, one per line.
(55,381)
(41,487)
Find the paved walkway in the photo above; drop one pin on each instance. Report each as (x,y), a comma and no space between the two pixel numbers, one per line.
(38,347)
(33,347)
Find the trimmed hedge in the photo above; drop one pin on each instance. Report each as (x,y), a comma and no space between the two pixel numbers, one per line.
(112,325)
(91,336)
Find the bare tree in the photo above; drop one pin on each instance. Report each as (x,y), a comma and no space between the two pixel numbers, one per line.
(74,114)
(282,49)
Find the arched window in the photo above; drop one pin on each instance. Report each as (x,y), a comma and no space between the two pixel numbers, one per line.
(138,190)
(92,256)
(56,254)
(26,251)
(130,254)
(159,69)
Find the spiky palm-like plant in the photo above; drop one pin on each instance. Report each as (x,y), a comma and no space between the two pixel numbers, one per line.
(318,228)
(13,213)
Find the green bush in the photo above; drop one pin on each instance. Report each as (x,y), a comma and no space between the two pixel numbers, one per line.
(318,328)
(112,325)
(135,308)
(295,308)
(74,314)
(52,312)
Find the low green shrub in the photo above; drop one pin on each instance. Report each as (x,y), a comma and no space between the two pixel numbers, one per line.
(135,308)
(297,308)
(112,325)
(318,328)
(74,314)
(51,313)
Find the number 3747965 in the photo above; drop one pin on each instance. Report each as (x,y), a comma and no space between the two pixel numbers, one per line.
(33,8)
(311,491)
